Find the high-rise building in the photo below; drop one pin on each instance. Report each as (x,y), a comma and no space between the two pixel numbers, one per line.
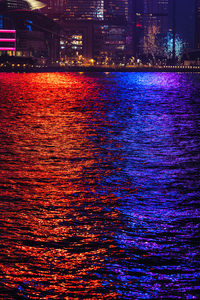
(136,15)
(113,37)
(197,24)
(85,10)
(157,12)
(74,9)
(155,26)
(100,25)
(88,10)
(116,10)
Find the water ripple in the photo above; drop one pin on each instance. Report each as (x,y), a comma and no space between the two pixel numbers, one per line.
(99,186)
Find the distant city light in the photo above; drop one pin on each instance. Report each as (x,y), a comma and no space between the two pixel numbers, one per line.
(100,10)
(179,44)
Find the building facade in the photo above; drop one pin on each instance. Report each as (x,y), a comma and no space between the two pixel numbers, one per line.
(84,10)
(197,24)
(93,28)
(87,10)
(27,33)
(155,27)
(116,10)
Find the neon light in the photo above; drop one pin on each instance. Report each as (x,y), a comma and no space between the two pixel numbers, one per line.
(1,22)
(29,25)
(8,30)
(7,40)
(13,40)
(7,49)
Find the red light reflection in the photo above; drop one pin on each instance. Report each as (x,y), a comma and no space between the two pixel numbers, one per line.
(50,222)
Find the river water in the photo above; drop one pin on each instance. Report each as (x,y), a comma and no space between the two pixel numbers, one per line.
(99,186)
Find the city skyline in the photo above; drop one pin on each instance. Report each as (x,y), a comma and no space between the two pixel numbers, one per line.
(185,14)
(99,151)
(108,31)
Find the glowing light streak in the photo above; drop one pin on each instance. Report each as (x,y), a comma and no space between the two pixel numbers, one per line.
(7,48)
(35,4)
(7,31)
(4,40)
(7,40)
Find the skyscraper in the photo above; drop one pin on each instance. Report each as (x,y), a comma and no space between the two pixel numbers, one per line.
(74,9)
(85,10)
(88,10)
(197,24)
(155,25)
(114,35)
(102,24)
(116,10)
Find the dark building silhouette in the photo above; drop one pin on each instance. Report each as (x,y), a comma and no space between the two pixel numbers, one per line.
(87,10)
(95,28)
(155,26)
(197,24)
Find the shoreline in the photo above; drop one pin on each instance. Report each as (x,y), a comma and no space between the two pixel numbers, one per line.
(51,69)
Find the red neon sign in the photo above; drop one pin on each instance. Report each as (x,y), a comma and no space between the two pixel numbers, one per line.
(6,40)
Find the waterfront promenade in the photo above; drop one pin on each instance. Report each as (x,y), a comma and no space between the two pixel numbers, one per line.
(57,68)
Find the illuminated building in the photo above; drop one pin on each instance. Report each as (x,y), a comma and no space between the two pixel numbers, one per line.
(8,40)
(74,10)
(116,10)
(27,33)
(54,7)
(155,25)
(137,10)
(85,10)
(102,24)
(197,24)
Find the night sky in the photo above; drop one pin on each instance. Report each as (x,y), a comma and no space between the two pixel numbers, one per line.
(185,19)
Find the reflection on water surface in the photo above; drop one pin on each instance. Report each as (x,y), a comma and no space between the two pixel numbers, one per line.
(99,186)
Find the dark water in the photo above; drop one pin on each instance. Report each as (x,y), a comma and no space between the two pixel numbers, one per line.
(99,186)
